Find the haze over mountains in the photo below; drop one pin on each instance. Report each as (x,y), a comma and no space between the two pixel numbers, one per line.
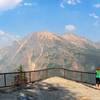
(40,50)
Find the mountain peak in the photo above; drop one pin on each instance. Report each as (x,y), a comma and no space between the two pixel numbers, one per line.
(46,35)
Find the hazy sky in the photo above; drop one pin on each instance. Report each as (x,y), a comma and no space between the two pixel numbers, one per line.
(18,17)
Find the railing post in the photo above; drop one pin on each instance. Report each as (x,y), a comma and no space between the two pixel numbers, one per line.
(47,73)
(64,73)
(5,80)
(30,77)
(24,77)
(81,77)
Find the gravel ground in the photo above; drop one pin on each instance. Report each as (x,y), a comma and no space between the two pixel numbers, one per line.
(8,96)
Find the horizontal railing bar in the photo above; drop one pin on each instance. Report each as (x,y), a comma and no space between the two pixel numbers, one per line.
(47,69)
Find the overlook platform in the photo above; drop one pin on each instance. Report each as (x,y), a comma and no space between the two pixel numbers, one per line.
(56,88)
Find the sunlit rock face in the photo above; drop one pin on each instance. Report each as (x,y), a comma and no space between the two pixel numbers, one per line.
(41,50)
(79,41)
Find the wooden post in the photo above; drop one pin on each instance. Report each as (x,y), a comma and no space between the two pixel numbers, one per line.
(81,77)
(5,80)
(64,74)
(30,77)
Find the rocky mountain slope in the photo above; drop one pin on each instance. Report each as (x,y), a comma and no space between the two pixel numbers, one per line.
(79,41)
(40,50)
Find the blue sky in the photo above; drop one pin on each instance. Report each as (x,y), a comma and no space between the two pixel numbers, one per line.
(19,17)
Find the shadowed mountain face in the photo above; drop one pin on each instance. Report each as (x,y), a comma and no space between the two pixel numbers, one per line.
(46,50)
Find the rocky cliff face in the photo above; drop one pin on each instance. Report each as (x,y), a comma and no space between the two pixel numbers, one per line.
(44,49)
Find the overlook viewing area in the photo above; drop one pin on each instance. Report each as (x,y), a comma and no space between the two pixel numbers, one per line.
(51,84)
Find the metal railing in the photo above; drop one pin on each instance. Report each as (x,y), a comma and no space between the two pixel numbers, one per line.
(7,79)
